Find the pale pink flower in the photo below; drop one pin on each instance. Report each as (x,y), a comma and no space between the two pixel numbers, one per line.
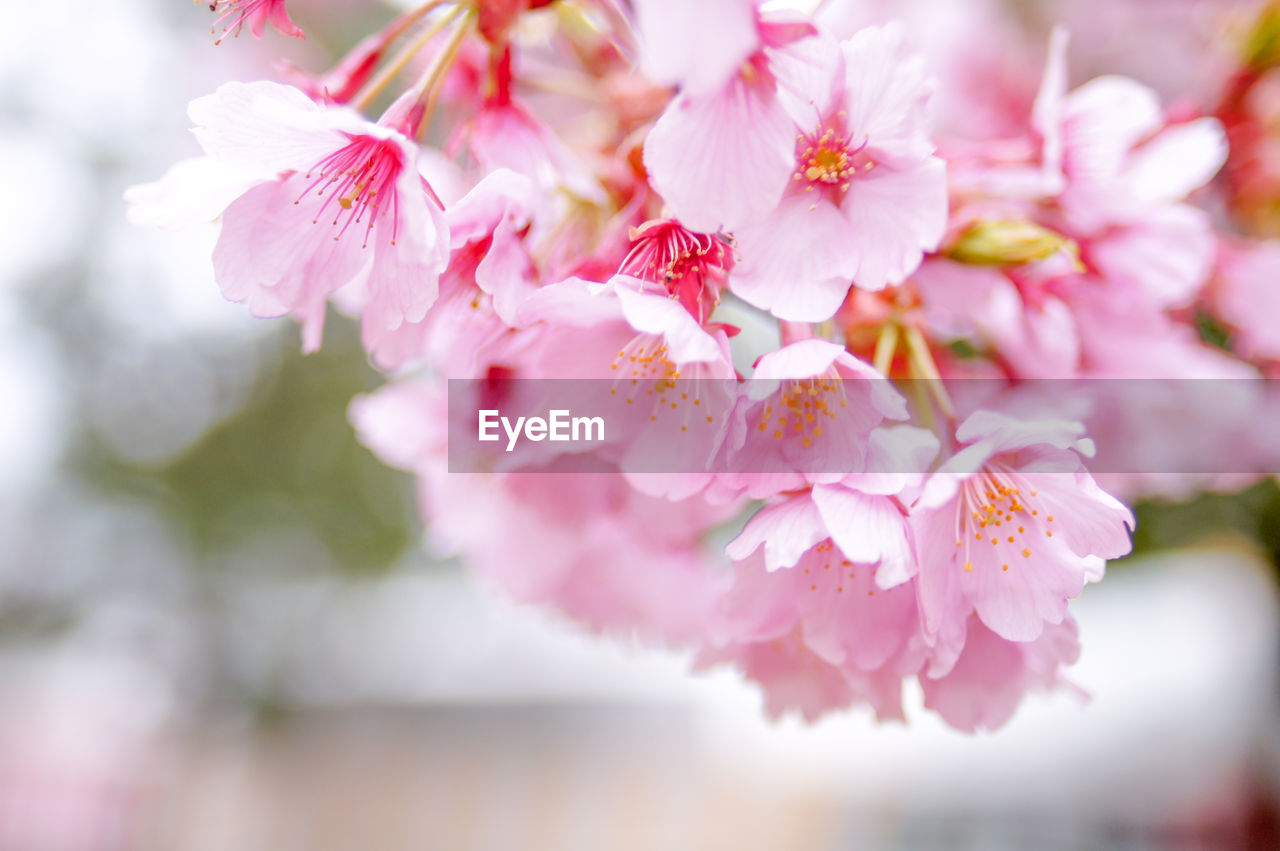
(1121,157)
(866,197)
(807,416)
(235,14)
(1107,172)
(643,340)
(1126,169)
(865,514)
(991,676)
(819,635)
(1012,526)
(1105,153)
(348,204)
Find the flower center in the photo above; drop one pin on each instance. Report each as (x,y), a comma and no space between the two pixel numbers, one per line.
(358,181)
(645,358)
(825,568)
(803,406)
(828,165)
(690,265)
(234,12)
(998,509)
(647,376)
(827,160)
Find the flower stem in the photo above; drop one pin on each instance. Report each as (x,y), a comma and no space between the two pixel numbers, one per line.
(375,86)
(429,85)
(922,360)
(886,347)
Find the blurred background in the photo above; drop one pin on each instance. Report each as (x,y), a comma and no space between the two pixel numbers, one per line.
(218,629)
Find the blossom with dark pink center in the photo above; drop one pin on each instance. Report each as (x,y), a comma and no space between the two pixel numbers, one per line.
(234,15)
(339,200)
(690,265)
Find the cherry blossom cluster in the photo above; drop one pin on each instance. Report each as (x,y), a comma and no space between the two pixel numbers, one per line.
(748,230)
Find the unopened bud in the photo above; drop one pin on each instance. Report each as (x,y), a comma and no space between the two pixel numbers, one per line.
(1261,44)
(1007,242)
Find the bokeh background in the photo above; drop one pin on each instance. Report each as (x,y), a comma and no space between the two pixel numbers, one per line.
(218,629)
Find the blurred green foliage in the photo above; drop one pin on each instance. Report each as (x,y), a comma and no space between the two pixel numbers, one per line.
(288,459)
(1252,514)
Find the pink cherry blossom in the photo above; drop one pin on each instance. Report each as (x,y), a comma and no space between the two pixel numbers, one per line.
(1012,526)
(692,266)
(235,14)
(348,205)
(992,674)
(1109,175)
(856,640)
(644,341)
(807,416)
(738,235)
(866,197)
(864,514)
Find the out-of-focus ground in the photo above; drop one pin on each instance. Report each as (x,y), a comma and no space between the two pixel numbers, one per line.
(420,712)
(217,631)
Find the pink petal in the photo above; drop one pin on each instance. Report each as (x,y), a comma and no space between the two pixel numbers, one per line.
(798,262)
(895,217)
(279,16)
(1046,113)
(787,529)
(869,530)
(570,302)
(404,280)
(697,46)
(268,128)
(887,94)
(192,192)
(1090,521)
(270,254)
(1176,162)
(985,686)
(655,314)
(1168,253)
(1103,120)
(804,359)
(723,159)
